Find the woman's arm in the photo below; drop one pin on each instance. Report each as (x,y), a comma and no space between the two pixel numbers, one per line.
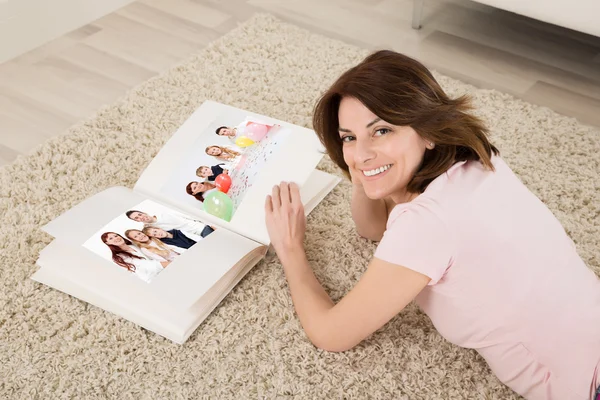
(383,291)
(370,216)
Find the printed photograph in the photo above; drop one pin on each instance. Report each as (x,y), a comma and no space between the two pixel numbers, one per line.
(224,162)
(147,238)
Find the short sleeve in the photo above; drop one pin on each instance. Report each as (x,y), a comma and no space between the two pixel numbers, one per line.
(418,239)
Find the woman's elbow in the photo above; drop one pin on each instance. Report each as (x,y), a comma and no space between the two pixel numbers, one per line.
(331,343)
(373,235)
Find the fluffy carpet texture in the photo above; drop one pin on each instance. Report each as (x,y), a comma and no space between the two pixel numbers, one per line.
(252,346)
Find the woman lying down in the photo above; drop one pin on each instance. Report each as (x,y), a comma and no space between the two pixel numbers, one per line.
(459,234)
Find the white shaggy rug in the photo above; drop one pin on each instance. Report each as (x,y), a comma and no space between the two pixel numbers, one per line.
(252,346)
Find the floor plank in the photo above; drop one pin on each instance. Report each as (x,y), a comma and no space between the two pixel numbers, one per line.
(191,11)
(140,44)
(510,72)
(565,102)
(91,59)
(7,155)
(169,23)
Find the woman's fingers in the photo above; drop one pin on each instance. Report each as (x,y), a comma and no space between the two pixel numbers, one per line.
(268,204)
(295,194)
(276,197)
(285,194)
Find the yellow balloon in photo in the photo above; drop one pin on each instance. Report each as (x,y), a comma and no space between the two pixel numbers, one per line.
(243,141)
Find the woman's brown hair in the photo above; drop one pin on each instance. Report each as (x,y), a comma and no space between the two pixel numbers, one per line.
(117,252)
(401,91)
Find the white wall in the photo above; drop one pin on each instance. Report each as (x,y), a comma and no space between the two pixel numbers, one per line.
(27,24)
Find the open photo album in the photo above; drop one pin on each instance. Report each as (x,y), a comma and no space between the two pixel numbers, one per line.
(164,254)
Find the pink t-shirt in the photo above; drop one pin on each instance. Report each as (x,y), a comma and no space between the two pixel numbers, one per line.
(506,279)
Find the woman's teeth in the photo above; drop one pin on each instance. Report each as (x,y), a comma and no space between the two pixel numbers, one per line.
(377,171)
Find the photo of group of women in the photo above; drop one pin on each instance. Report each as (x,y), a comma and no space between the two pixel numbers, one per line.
(147,238)
(223,163)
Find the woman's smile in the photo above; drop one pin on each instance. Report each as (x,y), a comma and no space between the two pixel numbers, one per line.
(376,173)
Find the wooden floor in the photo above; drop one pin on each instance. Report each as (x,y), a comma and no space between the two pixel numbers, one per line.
(45,91)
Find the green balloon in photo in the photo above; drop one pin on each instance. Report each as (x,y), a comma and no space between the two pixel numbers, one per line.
(219,204)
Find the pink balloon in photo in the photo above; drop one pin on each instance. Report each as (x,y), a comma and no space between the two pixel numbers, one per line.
(256,131)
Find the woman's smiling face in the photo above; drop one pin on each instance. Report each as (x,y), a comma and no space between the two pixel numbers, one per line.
(114,239)
(214,151)
(198,187)
(138,236)
(381,157)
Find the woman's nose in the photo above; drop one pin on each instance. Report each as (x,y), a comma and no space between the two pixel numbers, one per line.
(364,151)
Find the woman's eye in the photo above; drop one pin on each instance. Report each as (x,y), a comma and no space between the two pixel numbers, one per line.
(382,131)
(347,138)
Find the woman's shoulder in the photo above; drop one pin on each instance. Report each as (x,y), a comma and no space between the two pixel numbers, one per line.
(448,189)
(462,178)
(416,211)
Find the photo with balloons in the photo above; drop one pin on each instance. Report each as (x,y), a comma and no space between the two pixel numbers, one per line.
(225,161)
